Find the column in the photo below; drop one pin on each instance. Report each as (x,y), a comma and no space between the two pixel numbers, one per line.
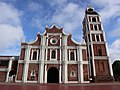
(41,72)
(80,65)
(65,73)
(110,67)
(41,60)
(9,68)
(60,74)
(109,61)
(93,62)
(78,57)
(81,70)
(26,64)
(45,80)
(64,58)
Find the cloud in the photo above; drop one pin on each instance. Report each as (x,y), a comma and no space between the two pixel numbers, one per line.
(37,22)
(9,14)
(108,9)
(33,6)
(70,17)
(110,13)
(115,32)
(8,1)
(57,3)
(114,50)
(104,3)
(11,31)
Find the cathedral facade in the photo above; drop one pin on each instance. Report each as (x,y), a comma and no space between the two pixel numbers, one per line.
(55,57)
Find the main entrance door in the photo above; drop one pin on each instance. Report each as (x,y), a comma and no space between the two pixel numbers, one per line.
(53,75)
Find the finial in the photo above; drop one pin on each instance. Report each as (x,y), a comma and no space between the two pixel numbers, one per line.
(83,41)
(89,6)
(70,33)
(61,26)
(12,58)
(38,33)
(46,26)
(53,24)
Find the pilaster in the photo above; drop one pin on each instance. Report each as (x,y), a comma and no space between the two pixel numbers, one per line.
(41,60)
(26,64)
(45,80)
(64,58)
(93,62)
(9,68)
(80,64)
(60,74)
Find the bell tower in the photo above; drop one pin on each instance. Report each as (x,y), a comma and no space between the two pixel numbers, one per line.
(99,67)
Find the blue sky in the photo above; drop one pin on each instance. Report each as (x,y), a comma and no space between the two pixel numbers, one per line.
(25,18)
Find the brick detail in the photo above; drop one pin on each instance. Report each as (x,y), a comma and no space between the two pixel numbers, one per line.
(20,71)
(3,76)
(85,72)
(48,54)
(33,67)
(70,42)
(38,41)
(22,54)
(101,47)
(70,68)
(102,67)
(84,54)
(54,29)
(53,65)
(58,54)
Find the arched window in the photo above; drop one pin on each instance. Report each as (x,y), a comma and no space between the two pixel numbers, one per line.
(95,27)
(99,52)
(72,73)
(72,56)
(34,55)
(53,54)
(94,19)
(32,75)
(97,37)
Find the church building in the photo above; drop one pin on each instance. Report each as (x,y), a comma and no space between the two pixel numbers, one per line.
(55,57)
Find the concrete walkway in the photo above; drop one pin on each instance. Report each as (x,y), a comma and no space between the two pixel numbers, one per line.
(83,84)
(29,86)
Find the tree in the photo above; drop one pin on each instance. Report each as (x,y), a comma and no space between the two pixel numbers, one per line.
(116,70)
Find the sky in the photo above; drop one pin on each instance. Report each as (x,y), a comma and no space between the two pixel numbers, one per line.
(21,19)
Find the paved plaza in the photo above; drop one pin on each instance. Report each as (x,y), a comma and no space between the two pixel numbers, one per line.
(93,86)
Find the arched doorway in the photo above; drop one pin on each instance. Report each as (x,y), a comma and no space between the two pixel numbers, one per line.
(53,75)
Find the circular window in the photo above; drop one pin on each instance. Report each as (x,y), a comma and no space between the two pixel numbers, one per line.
(54,40)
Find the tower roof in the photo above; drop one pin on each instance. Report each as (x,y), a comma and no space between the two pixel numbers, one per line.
(90,10)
